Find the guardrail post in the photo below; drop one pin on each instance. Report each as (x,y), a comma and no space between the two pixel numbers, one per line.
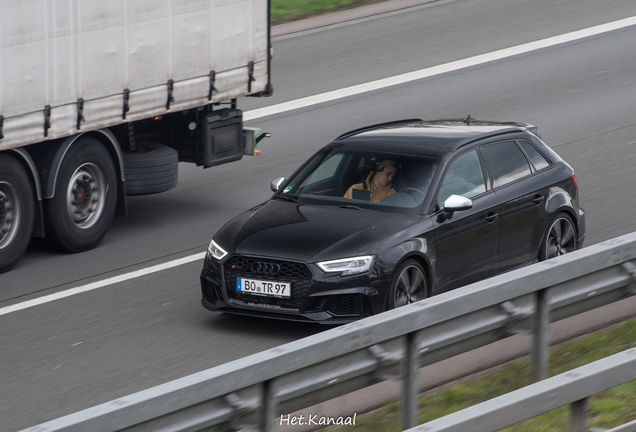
(541,339)
(268,408)
(410,382)
(578,416)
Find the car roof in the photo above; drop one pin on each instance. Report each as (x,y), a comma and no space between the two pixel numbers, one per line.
(434,137)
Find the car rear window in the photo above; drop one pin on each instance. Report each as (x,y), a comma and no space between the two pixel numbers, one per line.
(538,160)
(507,162)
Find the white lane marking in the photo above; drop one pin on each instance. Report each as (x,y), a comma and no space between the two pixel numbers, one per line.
(437,70)
(334,95)
(100,284)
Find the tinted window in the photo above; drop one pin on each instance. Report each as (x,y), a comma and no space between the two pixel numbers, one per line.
(507,162)
(336,176)
(325,170)
(537,158)
(464,177)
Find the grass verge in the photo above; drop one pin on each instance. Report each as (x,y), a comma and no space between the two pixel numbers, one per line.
(290,10)
(607,409)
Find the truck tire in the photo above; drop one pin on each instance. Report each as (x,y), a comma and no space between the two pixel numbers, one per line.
(79,214)
(153,169)
(17,212)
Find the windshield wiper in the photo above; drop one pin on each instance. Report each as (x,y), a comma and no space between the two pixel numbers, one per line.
(349,206)
(286,198)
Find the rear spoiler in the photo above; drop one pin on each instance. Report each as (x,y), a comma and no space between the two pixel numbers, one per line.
(534,130)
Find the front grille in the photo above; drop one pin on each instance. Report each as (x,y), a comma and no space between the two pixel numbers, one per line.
(347,304)
(297,273)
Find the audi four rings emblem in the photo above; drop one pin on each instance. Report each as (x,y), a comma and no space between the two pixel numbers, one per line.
(265,268)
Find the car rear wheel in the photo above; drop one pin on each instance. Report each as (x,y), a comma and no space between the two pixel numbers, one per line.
(409,285)
(560,238)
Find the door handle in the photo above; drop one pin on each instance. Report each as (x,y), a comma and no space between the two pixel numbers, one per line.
(538,199)
(490,218)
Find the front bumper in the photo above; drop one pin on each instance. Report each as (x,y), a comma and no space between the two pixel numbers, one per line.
(315,317)
(316,296)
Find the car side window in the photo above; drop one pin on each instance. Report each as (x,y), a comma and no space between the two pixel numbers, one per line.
(507,162)
(538,160)
(464,177)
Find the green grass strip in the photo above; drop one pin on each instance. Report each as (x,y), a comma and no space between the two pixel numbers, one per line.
(607,409)
(289,10)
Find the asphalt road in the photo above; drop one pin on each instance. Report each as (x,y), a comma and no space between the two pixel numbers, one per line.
(73,353)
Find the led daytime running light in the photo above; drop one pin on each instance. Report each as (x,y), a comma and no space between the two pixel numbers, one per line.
(216,251)
(347,266)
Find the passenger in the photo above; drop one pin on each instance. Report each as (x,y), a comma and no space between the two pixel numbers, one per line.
(378,182)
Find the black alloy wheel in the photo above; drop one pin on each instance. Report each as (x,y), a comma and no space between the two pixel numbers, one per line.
(409,285)
(560,238)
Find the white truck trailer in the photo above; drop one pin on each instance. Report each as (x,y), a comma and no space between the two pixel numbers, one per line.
(102,99)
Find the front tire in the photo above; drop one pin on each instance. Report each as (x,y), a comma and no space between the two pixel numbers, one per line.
(82,209)
(408,286)
(17,212)
(559,239)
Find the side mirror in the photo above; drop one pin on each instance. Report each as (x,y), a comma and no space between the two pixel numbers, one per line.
(455,203)
(275,185)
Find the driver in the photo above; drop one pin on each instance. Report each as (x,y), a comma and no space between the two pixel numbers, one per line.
(378,182)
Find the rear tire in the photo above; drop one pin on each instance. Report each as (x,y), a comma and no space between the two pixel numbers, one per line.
(17,212)
(559,239)
(408,286)
(79,214)
(152,170)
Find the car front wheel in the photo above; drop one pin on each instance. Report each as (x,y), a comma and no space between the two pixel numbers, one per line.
(409,285)
(560,238)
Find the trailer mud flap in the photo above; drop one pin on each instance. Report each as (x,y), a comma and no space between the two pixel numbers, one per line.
(222,137)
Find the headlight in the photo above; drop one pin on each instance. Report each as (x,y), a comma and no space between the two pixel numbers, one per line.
(216,251)
(347,266)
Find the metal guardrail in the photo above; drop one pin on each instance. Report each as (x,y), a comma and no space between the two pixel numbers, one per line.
(573,387)
(259,388)
(628,427)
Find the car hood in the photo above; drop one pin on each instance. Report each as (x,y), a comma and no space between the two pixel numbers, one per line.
(282,229)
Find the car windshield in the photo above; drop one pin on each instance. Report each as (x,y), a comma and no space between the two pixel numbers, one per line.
(364,180)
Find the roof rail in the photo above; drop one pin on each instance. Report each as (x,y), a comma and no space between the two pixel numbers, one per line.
(371,127)
(470,121)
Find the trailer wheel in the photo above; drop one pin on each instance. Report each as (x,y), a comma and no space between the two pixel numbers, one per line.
(153,169)
(79,214)
(17,211)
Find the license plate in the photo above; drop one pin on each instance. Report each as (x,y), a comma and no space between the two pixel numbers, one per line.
(265,288)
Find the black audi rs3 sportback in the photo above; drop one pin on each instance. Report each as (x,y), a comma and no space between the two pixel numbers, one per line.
(393,213)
